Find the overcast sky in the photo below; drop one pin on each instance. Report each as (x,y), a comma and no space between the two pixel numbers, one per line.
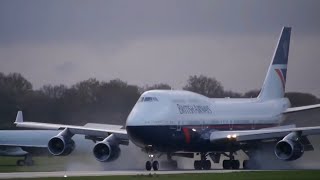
(147,41)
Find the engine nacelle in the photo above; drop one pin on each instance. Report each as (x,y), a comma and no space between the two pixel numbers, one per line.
(289,148)
(107,150)
(61,146)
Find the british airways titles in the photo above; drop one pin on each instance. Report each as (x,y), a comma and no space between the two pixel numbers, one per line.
(194,109)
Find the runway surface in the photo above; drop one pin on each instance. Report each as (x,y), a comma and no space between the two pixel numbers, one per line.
(100,173)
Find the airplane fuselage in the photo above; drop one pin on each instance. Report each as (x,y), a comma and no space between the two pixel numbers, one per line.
(171,120)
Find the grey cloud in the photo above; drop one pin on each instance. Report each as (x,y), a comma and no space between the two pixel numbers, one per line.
(66,67)
(51,21)
(146,42)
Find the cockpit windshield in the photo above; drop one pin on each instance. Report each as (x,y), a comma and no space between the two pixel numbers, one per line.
(148,99)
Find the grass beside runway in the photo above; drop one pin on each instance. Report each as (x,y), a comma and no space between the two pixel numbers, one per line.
(258,175)
(44,164)
(8,164)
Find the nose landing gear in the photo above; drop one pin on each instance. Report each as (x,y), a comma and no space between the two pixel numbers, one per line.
(152,164)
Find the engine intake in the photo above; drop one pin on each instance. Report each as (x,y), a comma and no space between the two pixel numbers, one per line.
(289,149)
(62,144)
(107,150)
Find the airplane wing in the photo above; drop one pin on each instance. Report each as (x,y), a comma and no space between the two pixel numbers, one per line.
(24,145)
(96,130)
(262,134)
(301,108)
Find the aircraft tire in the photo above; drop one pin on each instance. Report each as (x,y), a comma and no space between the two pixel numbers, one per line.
(226,164)
(197,165)
(155,165)
(235,164)
(148,165)
(206,165)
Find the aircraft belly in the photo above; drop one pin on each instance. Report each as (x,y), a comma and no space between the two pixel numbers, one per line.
(173,138)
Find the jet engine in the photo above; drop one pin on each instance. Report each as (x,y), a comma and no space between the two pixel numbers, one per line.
(61,146)
(107,150)
(289,148)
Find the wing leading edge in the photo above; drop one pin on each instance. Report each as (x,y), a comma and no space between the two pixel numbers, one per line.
(90,129)
(262,134)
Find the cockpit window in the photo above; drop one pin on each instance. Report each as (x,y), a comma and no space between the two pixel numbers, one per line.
(148,99)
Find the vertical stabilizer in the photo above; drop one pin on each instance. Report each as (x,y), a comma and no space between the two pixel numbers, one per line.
(275,82)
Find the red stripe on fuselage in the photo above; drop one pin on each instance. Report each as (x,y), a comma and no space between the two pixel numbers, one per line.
(187,135)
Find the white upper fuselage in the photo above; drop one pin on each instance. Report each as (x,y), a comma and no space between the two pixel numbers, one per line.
(184,108)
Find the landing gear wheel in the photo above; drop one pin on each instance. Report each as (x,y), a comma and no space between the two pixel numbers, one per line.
(235,164)
(206,165)
(197,165)
(155,165)
(226,164)
(148,165)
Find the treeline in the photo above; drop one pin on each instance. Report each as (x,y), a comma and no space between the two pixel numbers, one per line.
(97,101)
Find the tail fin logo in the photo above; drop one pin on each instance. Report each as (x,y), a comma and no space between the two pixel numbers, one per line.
(282,75)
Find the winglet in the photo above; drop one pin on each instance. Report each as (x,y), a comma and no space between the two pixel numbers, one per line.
(19,117)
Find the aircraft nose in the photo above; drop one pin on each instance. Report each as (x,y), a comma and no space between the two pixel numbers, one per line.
(134,118)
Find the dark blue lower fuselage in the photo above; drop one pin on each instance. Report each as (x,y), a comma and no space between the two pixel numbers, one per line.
(185,138)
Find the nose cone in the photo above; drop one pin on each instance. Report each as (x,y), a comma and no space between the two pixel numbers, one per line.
(135,126)
(135,117)
(150,112)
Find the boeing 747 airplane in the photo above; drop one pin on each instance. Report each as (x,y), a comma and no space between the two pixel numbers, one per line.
(183,123)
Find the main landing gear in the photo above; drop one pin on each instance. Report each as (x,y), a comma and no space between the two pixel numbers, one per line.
(231,163)
(27,161)
(202,164)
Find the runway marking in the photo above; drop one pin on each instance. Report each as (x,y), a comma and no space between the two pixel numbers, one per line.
(103,173)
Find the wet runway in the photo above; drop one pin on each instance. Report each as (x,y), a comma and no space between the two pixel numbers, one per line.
(101,173)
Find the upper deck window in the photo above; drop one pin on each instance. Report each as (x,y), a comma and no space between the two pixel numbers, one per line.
(148,99)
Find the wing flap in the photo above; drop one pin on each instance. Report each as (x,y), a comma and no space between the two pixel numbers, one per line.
(262,134)
(24,145)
